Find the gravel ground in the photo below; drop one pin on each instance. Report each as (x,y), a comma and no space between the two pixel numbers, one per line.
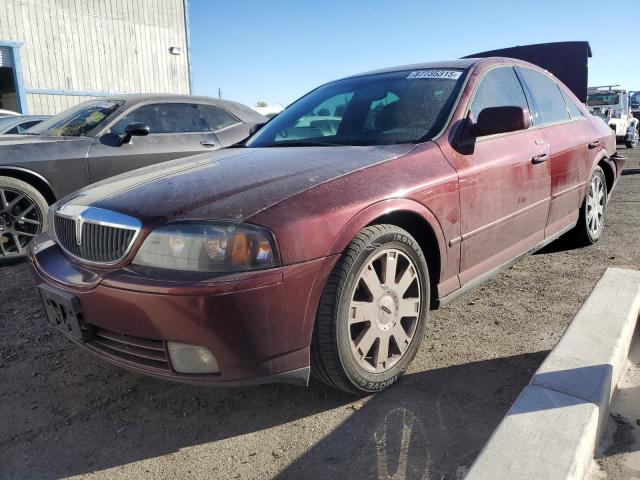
(65,414)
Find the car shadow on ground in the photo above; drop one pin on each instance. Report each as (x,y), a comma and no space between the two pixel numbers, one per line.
(432,421)
(432,425)
(563,244)
(630,171)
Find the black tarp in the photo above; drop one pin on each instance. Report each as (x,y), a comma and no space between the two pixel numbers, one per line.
(568,61)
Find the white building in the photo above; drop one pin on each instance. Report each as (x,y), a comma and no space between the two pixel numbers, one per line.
(57,53)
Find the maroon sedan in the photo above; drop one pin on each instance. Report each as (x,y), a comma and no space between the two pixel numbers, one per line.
(320,245)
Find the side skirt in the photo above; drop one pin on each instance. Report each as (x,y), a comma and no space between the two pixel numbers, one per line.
(501,268)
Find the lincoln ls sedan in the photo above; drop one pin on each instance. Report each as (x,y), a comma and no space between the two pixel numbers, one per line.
(320,245)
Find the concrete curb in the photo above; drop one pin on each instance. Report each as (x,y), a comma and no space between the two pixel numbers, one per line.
(551,430)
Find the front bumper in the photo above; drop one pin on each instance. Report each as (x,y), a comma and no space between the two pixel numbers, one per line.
(258,325)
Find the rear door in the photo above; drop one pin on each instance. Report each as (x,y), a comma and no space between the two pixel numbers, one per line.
(504,192)
(176,130)
(562,124)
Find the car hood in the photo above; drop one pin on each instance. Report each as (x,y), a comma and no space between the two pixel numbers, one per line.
(231,184)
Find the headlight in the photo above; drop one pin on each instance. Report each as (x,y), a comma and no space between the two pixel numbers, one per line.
(208,247)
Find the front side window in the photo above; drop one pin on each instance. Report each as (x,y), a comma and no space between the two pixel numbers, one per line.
(79,120)
(500,87)
(546,94)
(165,118)
(381,109)
(217,118)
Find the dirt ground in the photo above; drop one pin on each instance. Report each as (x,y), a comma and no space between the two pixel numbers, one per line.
(65,414)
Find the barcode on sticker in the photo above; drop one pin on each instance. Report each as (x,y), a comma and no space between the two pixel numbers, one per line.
(448,74)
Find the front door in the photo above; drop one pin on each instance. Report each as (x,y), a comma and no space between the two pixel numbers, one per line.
(176,130)
(504,184)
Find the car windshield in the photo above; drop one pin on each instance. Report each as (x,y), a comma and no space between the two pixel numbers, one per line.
(381,109)
(77,121)
(635,99)
(603,98)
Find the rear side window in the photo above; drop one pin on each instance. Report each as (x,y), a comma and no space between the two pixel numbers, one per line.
(547,97)
(574,111)
(500,87)
(216,118)
(165,118)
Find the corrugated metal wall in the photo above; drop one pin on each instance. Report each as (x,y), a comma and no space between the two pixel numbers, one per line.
(75,49)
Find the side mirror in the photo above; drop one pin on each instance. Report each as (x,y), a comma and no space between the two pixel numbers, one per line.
(494,120)
(135,129)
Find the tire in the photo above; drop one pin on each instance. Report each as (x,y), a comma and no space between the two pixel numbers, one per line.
(342,330)
(632,142)
(23,211)
(584,233)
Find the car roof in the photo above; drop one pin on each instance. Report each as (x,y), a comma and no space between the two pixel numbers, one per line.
(462,64)
(458,64)
(244,113)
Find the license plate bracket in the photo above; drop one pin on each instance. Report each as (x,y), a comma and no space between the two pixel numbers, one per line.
(63,312)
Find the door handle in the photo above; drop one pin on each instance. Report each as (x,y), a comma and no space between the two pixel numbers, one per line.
(594,144)
(543,157)
(208,143)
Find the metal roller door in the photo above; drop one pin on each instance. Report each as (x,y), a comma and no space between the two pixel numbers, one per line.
(6,57)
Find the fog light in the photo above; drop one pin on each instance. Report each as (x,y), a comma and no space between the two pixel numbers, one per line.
(191,358)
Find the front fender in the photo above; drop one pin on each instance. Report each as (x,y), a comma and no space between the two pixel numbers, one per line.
(372,212)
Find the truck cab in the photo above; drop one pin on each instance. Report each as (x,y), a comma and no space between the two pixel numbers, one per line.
(614,105)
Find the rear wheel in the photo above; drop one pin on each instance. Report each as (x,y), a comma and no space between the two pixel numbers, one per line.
(593,210)
(373,312)
(22,213)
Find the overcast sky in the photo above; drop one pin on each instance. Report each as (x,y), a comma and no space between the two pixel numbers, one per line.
(275,51)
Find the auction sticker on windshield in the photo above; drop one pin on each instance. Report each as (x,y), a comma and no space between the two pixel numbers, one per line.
(448,74)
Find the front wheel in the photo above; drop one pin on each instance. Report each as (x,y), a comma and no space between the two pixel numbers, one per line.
(373,312)
(593,210)
(22,213)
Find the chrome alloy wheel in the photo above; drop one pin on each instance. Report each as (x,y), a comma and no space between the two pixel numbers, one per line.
(595,206)
(20,221)
(384,310)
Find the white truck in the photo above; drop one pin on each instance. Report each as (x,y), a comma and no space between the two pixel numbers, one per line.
(613,105)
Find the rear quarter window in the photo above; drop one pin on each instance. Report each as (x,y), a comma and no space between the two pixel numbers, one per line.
(216,118)
(574,111)
(546,94)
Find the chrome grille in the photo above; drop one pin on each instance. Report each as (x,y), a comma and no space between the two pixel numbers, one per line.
(86,235)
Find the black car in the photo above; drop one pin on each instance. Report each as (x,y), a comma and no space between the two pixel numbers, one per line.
(102,138)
